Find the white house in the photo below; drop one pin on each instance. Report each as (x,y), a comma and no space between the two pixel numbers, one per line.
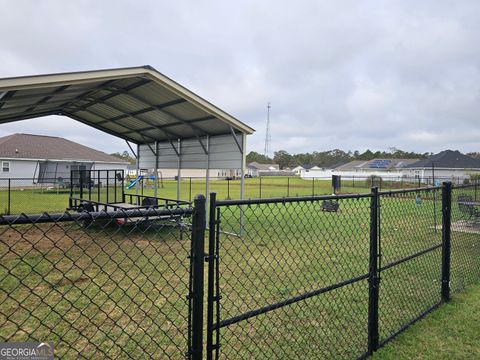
(446,165)
(388,169)
(256,169)
(309,167)
(298,169)
(32,159)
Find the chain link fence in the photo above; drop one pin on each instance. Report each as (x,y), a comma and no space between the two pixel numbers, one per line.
(19,195)
(410,257)
(465,233)
(293,278)
(22,195)
(110,285)
(332,276)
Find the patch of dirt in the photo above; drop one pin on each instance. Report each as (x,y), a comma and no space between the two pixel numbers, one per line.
(66,281)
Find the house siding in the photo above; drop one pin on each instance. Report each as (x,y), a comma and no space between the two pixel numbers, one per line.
(23,171)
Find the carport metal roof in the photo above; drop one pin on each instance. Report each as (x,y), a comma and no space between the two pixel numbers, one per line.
(138,104)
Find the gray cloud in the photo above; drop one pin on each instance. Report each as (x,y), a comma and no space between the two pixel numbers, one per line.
(343,74)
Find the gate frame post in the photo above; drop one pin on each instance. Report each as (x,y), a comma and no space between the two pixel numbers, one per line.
(198,259)
(373,279)
(446,238)
(212,260)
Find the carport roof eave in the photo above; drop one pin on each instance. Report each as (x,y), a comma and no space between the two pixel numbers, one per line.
(95,76)
(200,102)
(107,131)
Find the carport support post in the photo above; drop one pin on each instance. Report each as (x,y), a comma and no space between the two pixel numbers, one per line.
(446,239)
(179,167)
(207,171)
(198,261)
(137,171)
(373,279)
(155,185)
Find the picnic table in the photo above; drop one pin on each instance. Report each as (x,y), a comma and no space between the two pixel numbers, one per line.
(470,203)
(470,209)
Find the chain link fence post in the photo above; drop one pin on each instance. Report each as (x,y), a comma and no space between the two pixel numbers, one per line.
(9,196)
(374,279)
(446,240)
(198,260)
(260,187)
(190,189)
(475,188)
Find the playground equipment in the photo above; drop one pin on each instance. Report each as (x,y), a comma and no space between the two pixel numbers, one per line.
(134,182)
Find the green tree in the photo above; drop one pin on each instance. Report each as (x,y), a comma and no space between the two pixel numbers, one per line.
(253,156)
(125,155)
(282,158)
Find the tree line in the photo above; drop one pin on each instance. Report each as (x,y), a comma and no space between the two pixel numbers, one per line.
(330,158)
(125,156)
(324,159)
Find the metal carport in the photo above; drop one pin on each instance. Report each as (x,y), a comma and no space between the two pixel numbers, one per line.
(170,125)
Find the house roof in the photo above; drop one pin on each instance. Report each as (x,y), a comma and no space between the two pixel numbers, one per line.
(138,104)
(40,147)
(449,159)
(257,166)
(309,166)
(376,164)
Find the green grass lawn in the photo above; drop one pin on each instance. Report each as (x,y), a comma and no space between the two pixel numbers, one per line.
(112,291)
(450,332)
(38,200)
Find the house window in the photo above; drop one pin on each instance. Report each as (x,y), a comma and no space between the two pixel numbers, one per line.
(5,166)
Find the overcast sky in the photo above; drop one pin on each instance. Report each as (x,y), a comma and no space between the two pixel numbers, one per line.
(339,74)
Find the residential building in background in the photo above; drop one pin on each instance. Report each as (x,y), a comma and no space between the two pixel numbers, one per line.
(447,165)
(257,169)
(40,159)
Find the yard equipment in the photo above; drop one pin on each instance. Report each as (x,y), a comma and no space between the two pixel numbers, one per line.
(330,206)
(104,190)
(468,208)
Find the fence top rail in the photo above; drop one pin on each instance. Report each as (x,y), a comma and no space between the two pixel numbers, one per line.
(466,186)
(101,215)
(404,191)
(180,202)
(290,199)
